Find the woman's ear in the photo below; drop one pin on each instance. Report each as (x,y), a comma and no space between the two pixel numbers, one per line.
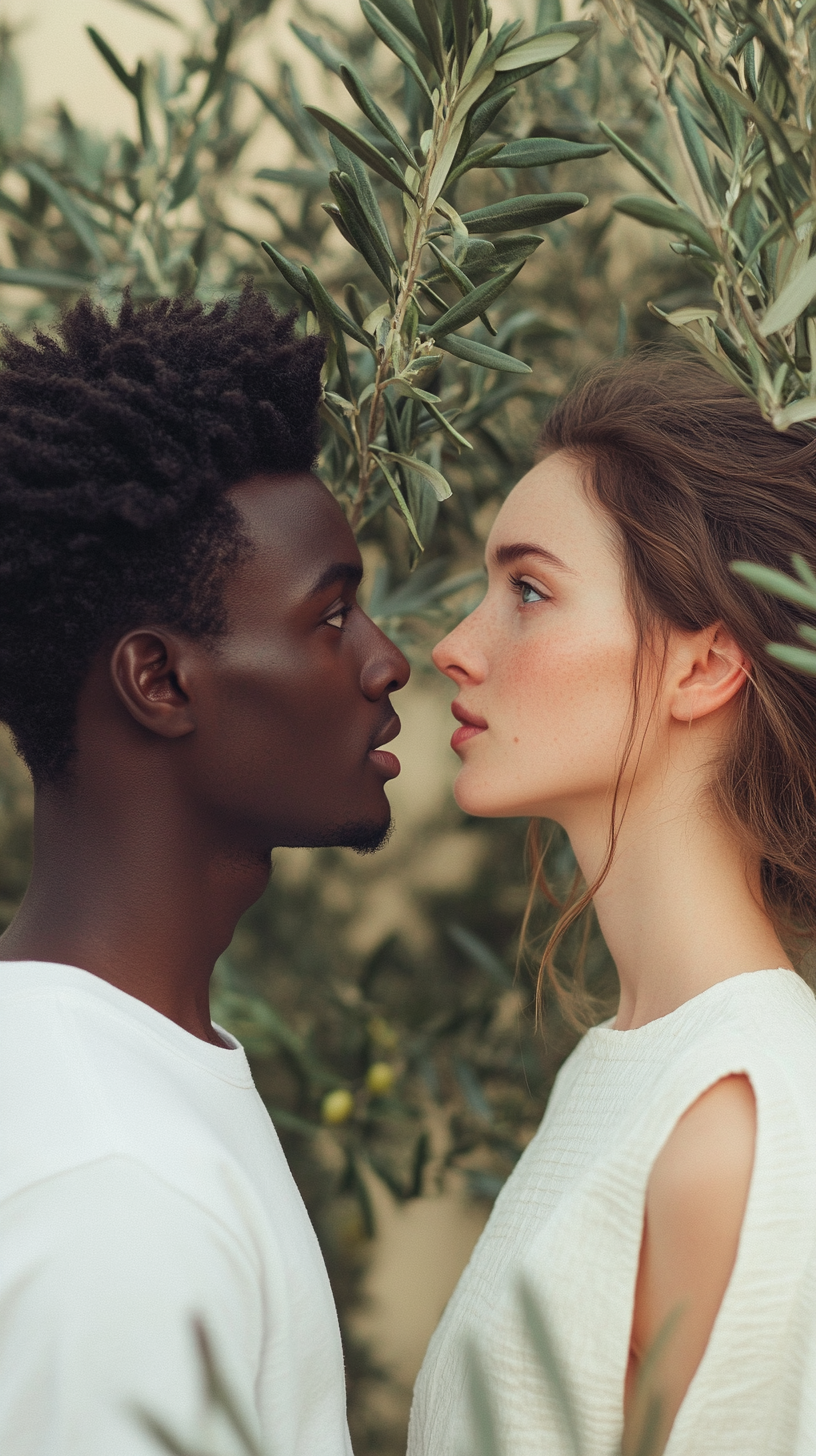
(711,670)
(150,681)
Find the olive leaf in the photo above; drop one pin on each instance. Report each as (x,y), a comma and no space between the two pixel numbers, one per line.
(543,152)
(526,211)
(330,58)
(391,37)
(299,177)
(398,495)
(358,229)
(437,482)
(473,352)
(404,18)
(540,50)
(642,165)
(292,272)
(363,149)
(776,583)
(474,303)
(695,144)
(375,113)
(333,309)
(670,217)
(428,17)
(487,111)
(799,291)
(75,215)
(44,278)
(109,55)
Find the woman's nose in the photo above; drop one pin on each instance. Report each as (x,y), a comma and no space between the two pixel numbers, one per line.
(458,656)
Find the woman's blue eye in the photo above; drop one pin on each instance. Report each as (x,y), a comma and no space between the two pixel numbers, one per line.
(529,593)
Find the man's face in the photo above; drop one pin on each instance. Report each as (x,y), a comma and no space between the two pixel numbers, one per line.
(293,701)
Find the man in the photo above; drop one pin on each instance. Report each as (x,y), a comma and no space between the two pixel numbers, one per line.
(188,676)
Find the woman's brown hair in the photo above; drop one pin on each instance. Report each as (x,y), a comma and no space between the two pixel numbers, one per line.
(694,479)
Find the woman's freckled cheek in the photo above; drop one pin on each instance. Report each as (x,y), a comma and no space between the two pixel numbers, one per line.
(557,680)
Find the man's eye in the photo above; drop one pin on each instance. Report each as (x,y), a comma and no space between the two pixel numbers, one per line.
(337,618)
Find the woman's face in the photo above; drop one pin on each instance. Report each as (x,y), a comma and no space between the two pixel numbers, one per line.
(544,665)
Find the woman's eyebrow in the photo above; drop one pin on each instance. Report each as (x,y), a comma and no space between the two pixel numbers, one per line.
(345,571)
(506,555)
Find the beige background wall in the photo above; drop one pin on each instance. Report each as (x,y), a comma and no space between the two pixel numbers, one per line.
(61,62)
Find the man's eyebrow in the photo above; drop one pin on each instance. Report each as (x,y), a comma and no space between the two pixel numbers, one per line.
(339,571)
(506,555)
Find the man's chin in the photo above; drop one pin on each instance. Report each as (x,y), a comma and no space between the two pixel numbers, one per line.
(362,835)
(365,838)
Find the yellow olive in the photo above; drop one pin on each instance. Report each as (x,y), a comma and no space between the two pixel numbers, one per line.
(380,1079)
(382,1034)
(337,1106)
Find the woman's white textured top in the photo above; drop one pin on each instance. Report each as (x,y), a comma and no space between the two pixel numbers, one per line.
(568,1222)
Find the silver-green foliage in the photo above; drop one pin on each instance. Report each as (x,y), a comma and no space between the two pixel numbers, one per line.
(156,212)
(430,270)
(735,82)
(799,589)
(89,212)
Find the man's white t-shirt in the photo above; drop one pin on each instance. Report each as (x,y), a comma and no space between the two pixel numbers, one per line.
(142,1184)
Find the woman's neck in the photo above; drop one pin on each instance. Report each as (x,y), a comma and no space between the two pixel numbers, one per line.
(680,908)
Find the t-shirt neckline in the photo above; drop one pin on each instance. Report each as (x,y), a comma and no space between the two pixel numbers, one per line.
(228,1061)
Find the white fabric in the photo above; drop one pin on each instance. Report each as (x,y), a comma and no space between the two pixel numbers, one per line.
(141,1184)
(569,1221)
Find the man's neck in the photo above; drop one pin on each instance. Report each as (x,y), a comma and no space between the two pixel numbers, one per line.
(144,900)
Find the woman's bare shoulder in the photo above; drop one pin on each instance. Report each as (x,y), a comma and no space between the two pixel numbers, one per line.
(711,1146)
(695,1205)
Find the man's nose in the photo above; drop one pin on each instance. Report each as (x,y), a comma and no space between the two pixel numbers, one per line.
(386,669)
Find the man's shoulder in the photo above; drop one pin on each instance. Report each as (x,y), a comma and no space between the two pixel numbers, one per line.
(84,1078)
(50,1113)
(95,1210)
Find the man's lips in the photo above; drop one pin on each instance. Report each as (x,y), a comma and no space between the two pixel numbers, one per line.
(387,763)
(471,723)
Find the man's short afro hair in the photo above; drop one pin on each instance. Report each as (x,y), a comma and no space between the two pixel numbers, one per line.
(118,441)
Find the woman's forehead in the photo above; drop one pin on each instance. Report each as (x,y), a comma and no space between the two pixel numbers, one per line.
(552,507)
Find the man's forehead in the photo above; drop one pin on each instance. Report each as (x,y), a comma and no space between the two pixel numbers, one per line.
(297,528)
(275,492)
(291,504)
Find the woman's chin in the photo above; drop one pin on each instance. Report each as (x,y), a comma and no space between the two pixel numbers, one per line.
(477,794)
(477,797)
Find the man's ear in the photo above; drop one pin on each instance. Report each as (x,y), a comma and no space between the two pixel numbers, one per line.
(712,671)
(149,679)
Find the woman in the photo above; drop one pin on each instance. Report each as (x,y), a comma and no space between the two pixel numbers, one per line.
(614,679)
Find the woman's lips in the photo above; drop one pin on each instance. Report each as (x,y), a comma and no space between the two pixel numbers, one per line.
(461,735)
(471,726)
